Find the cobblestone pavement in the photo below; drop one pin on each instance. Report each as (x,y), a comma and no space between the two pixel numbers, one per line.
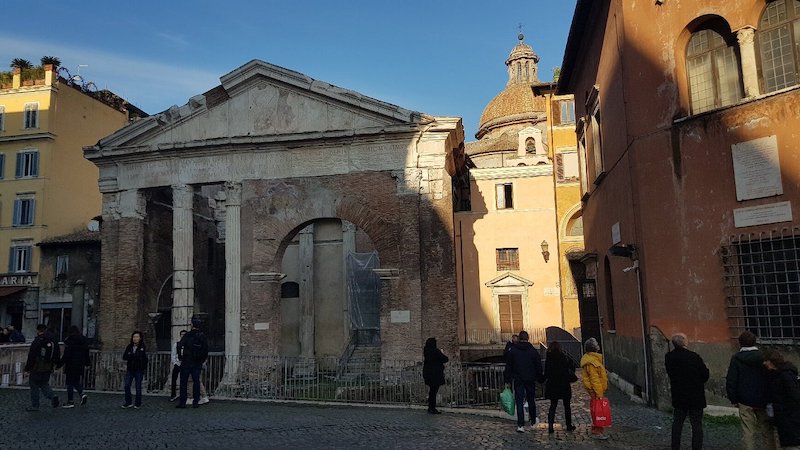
(231,424)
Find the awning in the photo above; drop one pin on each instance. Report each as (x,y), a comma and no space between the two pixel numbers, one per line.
(8,290)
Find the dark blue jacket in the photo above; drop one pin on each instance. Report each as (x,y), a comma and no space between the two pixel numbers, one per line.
(746,382)
(136,360)
(193,349)
(523,363)
(76,355)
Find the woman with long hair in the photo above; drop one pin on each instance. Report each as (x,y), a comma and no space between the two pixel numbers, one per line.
(136,356)
(433,372)
(558,369)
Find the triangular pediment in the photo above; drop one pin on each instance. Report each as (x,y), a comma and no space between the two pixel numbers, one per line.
(263,100)
(509,279)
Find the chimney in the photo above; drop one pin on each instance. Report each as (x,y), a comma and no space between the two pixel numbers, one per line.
(48,74)
(16,80)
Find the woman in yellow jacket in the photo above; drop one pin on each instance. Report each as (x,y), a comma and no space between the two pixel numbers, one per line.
(595,378)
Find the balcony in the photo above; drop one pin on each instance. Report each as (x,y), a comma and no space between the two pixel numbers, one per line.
(496,337)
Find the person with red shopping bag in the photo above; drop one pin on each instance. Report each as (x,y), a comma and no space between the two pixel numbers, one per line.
(595,380)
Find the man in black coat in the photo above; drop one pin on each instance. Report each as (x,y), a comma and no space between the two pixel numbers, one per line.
(43,355)
(193,353)
(524,369)
(687,377)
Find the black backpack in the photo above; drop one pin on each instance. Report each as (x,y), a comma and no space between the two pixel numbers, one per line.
(193,348)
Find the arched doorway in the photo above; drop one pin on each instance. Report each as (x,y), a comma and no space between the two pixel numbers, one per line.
(330,295)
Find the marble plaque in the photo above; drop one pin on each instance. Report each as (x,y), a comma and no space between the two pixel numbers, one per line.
(401,316)
(763,214)
(552,292)
(756,168)
(616,235)
(260,326)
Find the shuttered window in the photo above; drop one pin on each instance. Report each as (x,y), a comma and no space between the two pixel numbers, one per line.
(27,164)
(507,259)
(511,313)
(505,196)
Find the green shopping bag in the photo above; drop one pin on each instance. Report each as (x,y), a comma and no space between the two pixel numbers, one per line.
(507,401)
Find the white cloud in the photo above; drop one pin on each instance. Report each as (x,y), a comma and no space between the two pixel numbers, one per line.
(151,85)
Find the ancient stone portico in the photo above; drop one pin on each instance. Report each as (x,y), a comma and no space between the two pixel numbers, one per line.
(240,171)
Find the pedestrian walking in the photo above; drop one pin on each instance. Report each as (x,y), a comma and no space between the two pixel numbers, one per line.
(523,370)
(136,356)
(192,351)
(687,377)
(433,372)
(595,378)
(746,386)
(43,356)
(784,395)
(75,360)
(176,367)
(559,372)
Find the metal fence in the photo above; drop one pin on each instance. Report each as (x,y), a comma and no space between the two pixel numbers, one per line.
(288,378)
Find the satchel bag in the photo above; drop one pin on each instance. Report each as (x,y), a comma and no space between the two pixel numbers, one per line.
(601,412)
(507,401)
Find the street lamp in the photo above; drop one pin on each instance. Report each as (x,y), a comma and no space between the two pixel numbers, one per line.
(545,251)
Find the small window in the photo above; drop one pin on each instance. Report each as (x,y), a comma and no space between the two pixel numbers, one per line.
(510,307)
(567,108)
(530,146)
(290,289)
(505,196)
(2,165)
(24,209)
(20,258)
(2,117)
(567,167)
(507,259)
(31,115)
(62,266)
(27,164)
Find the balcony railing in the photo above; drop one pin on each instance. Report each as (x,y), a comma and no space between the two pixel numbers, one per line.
(495,336)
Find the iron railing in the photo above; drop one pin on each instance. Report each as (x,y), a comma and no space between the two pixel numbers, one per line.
(495,336)
(287,378)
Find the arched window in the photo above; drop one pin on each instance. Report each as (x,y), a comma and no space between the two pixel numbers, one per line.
(712,67)
(778,41)
(530,145)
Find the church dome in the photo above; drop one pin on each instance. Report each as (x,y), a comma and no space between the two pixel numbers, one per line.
(517,101)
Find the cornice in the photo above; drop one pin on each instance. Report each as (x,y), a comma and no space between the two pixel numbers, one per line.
(511,172)
(28,137)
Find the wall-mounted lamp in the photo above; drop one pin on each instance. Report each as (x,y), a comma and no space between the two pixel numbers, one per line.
(545,251)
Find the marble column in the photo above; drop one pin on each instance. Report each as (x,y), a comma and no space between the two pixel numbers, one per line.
(348,246)
(306,257)
(747,49)
(182,259)
(233,270)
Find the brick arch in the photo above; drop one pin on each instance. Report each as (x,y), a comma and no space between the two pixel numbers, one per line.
(367,209)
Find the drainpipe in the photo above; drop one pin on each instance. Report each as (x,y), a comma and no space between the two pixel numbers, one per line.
(645,339)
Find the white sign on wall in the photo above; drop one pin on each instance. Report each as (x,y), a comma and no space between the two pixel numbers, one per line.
(400,316)
(762,214)
(757,168)
(261,326)
(616,235)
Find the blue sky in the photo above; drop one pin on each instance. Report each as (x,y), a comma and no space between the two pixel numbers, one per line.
(440,57)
